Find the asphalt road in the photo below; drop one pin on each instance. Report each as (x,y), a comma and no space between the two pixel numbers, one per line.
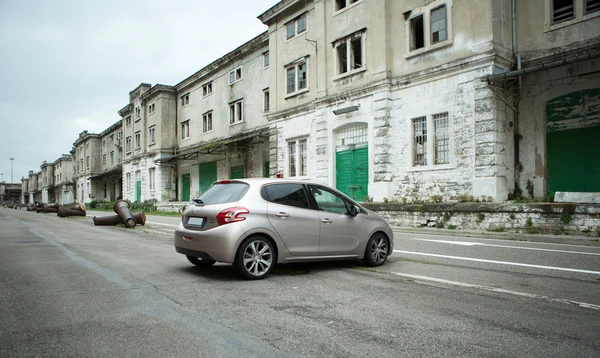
(68,288)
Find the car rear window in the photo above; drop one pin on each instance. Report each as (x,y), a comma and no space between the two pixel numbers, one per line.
(224,193)
(286,194)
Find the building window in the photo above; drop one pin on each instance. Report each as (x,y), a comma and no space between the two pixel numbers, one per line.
(151,178)
(419,141)
(151,108)
(87,163)
(128,182)
(138,113)
(236,112)
(591,6)
(138,140)
(128,121)
(350,54)
(298,158)
(438,24)
(342,4)
(295,27)
(185,100)
(152,134)
(207,89)
(296,77)
(235,75)
(417,33)
(207,122)
(185,129)
(103,159)
(442,148)
(266,104)
(428,150)
(562,10)
(266,59)
(104,143)
(112,157)
(128,144)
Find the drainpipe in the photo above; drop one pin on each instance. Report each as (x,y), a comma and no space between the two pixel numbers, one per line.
(516,134)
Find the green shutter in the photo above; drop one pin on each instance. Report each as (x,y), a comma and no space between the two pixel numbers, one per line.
(138,191)
(237,172)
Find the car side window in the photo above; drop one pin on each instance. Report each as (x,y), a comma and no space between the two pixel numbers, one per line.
(286,194)
(329,201)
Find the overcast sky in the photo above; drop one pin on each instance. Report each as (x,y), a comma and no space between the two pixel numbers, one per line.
(68,65)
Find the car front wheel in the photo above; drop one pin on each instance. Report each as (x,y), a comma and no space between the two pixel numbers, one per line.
(200,263)
(255,258)
(377,250)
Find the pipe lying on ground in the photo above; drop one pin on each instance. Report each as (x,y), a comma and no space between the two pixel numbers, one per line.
(139,217)
(63,212)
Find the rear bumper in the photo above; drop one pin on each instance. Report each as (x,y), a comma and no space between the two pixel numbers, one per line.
(217,244)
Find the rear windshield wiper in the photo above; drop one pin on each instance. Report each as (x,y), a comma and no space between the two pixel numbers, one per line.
(198,201)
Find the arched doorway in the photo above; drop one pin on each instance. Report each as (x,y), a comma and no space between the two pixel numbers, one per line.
(573,154)
(352,161)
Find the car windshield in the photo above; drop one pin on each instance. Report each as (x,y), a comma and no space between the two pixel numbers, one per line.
(223,193)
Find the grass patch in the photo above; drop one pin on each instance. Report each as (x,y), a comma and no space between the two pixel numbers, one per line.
(495,229)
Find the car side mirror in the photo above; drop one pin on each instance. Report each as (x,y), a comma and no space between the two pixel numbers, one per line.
(354,210)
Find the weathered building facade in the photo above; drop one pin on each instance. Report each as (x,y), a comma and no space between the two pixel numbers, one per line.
(388,100)
(87,153)
(108,180)
(64,188)
(47,178)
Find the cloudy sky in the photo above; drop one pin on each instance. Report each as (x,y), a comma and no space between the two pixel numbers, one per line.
(68,65)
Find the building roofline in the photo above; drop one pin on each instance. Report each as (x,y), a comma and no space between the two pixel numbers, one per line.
(275,10)
(117,124)
(229,57)
(156,89)
(125,109)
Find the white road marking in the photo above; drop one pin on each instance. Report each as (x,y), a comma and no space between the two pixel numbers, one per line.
(498,290)
(465,243)
(499,262)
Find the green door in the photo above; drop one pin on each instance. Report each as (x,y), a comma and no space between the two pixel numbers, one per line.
(138,191)
(352,173)
(208,175)
(237,172)
(185,187)
(267,169)
(573,128)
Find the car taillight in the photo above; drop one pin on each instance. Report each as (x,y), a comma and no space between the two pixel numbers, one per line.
(232,215)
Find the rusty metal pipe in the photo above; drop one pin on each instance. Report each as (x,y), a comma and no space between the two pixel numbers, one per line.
(139,217)
(47,210)
(63,212)
(53,205)
(122,208)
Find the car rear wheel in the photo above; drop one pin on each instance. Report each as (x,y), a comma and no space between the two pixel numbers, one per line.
(377,250)
(200,263)
(255,258)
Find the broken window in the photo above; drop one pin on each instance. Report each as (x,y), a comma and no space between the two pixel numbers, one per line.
(438,24)
(341,4)
(562,10)
(350,53)
(417,33)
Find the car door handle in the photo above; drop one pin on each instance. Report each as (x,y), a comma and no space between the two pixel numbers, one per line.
(326,221)
(282,215)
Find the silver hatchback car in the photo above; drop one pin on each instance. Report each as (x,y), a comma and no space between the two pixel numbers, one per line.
(256,223)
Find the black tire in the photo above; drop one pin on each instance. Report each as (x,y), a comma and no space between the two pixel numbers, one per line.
(377,251)
(199,262)
(255,258)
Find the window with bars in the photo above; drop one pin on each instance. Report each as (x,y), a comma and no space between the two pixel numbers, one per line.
(591,6)
(298,158)
(419,141)
(352,134)
(562,10)
(442,149)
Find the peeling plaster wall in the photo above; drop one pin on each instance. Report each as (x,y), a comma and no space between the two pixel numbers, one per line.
(538,88)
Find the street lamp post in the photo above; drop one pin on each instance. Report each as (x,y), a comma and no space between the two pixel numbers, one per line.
(12,160)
